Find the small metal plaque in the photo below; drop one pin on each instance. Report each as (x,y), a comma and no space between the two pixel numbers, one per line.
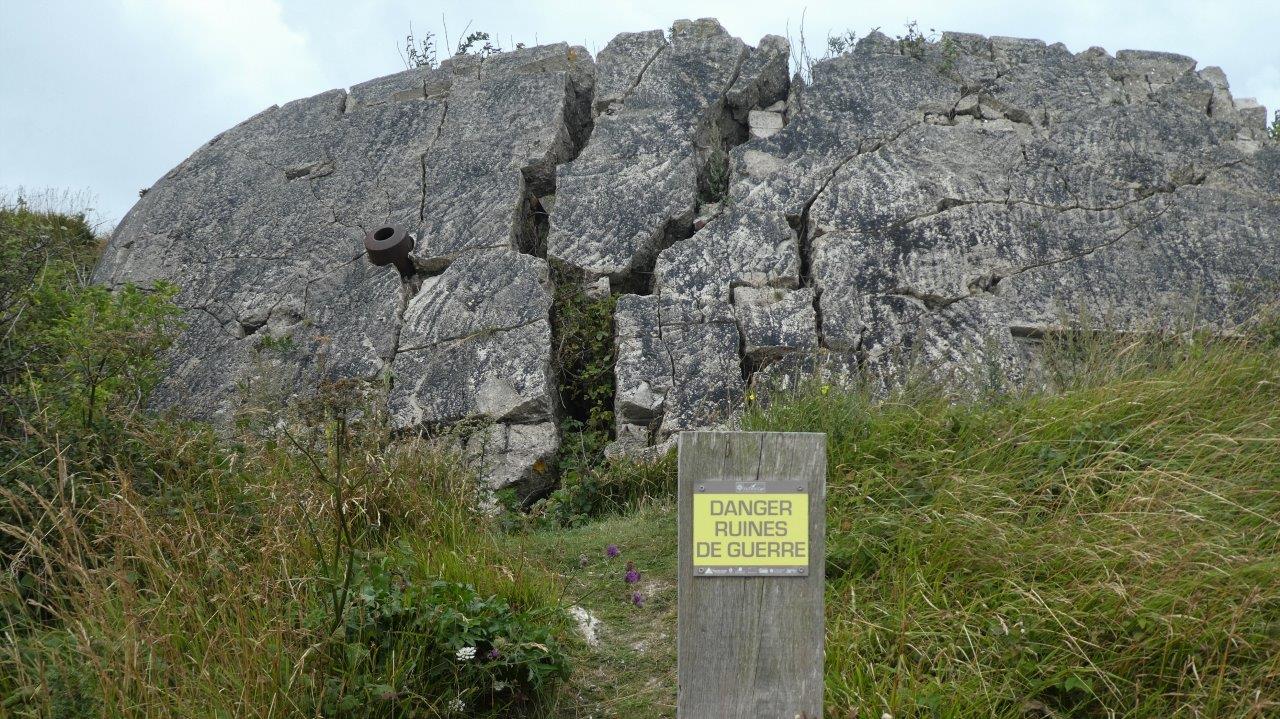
(747,528)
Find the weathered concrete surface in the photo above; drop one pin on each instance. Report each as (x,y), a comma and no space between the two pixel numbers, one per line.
(473,344)
(942,201)
(262,230)
(663,108)
(911,210)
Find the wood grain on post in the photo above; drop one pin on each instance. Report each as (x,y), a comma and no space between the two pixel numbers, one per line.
(751,647)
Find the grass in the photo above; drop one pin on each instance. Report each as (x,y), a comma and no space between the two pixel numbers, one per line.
(632,672)
(1108,549)
(215,599)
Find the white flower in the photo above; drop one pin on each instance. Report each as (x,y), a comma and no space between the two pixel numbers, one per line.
(886,715)
(457,705)
(466,654)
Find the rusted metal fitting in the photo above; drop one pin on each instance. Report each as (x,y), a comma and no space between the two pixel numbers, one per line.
(390,245)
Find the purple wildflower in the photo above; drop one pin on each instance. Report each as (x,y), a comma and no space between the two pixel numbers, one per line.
(612,551)
(633,575)
(637,599)
(493,654)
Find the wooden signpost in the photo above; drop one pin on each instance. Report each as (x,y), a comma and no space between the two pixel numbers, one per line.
(750,624)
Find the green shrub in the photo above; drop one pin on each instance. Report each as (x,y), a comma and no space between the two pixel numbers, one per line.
(413,645)
(77,363)
(76,358)
(608,487)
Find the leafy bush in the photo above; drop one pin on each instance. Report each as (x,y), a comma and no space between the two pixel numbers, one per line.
(413,645)
(77,362)
(608,487)
(74,356)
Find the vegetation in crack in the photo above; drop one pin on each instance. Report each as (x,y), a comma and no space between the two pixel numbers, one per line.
(583,352)
(535,220)
(583,355)
(727,130)
(713,177)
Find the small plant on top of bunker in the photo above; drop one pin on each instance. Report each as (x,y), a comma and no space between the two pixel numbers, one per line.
(419,52)
(842,43)
(467,45)
(913,42)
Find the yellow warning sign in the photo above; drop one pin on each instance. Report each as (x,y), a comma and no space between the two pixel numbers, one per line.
(750,530)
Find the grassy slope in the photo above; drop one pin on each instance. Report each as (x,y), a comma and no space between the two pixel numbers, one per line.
(1111,551)
(632,672)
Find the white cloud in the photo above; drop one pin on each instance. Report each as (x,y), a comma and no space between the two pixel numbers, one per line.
(244,46)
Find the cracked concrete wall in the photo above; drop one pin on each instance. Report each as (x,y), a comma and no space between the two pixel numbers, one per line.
(263,227)
(923,210)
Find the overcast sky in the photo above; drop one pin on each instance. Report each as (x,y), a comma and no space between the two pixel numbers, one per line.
(105,96)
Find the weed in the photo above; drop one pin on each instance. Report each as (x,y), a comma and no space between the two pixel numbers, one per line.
(713,182)
(841,44)
(419,52)
(913,42)
(802,61)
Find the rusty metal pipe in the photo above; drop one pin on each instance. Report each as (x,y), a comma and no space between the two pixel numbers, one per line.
(390,245)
